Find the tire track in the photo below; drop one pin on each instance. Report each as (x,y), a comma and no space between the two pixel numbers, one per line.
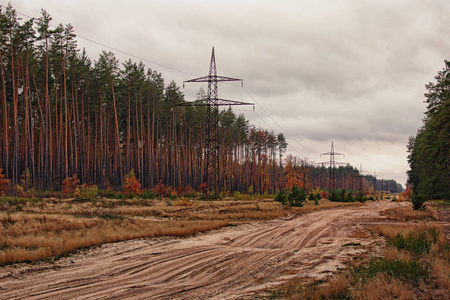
(224,264)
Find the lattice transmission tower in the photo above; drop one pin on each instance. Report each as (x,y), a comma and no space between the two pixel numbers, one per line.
(212,102)
(332,167)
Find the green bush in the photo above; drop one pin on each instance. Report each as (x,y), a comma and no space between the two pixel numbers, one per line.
(349,198)
(341,196)
(418,202)
(296,197)
(147,195)
(282,198)
(87,192)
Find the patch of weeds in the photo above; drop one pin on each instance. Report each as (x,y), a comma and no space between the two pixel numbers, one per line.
(18,200)
(412,271)
(147,195)
(415,242)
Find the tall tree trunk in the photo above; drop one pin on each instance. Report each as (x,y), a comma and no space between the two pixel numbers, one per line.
(118,148)
(5,124)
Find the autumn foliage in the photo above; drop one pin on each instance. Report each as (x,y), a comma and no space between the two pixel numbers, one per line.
(70,184)
(3,183)
(162,190)
(131,185)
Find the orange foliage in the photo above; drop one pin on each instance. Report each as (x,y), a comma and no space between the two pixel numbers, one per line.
(184,190)
(323,195)
(3,183)
(70,184)
(131,185)
(407,193)
(161,189)
(296,174)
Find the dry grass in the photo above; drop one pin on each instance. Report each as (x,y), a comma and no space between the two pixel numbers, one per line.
(383,287)
(407,213)
(416,264)
(54,227)
(28,237)
(392,230)
(394,253)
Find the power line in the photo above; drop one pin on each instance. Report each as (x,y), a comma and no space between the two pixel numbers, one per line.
(293,138)
(274,130)
(190,74)
(123,52)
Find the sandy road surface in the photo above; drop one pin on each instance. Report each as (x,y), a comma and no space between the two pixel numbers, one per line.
(224,264)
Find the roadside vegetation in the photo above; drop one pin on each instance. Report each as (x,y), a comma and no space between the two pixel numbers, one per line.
(414,265)
(33,229)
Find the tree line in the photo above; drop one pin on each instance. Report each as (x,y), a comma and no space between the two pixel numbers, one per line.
(63,114)
(429,150)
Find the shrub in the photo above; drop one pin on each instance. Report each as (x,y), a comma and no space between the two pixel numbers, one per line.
(282,198)
(349,198)
(251,190)
(161,189)
(69,185)
(202,188)
(297,196)
(3,183)
(131,185)
(147,194)
(86,192)
(185,191)
(313,196)
(418,202)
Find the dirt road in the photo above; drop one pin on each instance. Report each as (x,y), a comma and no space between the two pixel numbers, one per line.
(224,264)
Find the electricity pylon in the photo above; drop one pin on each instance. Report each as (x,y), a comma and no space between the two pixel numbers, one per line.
(212,103)
(332,163)
(361,176)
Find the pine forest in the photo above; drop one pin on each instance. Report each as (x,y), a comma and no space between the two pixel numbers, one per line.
(64,115)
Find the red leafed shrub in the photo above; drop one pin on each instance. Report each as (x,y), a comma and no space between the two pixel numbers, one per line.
(202,188)
(131,185)
(70,184)
(162,190)
(184,190)
(3,183)
(323,195)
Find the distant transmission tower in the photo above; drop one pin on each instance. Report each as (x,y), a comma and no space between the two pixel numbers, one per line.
(332,163)
(212,102)
(361,176)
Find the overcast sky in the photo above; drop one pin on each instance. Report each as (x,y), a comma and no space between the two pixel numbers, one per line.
(352,72)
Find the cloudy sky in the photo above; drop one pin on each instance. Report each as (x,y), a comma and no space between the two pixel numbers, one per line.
(352,72)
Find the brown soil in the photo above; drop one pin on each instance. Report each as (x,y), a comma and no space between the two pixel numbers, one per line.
(229,263)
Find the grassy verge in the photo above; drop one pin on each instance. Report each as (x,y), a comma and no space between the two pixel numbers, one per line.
(415,265)
(36,229)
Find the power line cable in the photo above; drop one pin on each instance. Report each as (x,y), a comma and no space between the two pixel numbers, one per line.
(190,74)
(121,51)
(274,130)
(293,138)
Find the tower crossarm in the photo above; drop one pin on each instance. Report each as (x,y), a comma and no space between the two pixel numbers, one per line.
(220,102)
(213,78)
